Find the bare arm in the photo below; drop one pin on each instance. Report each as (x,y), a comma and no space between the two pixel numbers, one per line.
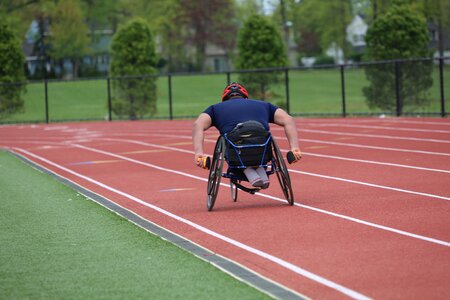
(202,123)
(282,118)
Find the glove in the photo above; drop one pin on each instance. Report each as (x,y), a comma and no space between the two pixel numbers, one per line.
(202,161)
(294,156)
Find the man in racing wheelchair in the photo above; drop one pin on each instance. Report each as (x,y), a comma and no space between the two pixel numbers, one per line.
(237,113)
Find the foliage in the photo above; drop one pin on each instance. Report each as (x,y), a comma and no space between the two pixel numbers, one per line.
(173,38)
(12,61)
(323,60)
(319,24)
(69,33)
(260,46)
(438,11)
(133,54)
(400,33)
(211,21)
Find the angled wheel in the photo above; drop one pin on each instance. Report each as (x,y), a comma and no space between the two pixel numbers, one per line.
(215,172)
(234,191)
(282,173)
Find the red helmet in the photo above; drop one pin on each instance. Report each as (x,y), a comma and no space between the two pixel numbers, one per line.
(234,89)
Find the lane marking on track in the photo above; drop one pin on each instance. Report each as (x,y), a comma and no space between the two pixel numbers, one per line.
(299,172)
(177,190)
(372,185)
(328,143)
(376,136)
(308,153)
(93,162)
(383,127)
(144,151)
(59,144)
(375,162)
(317,147)
(179,144)
(405,233)
(321,131)
(357,121)
(301,271)
(374,147)
(343,138)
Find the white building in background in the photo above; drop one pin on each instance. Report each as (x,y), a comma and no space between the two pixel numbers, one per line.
(356,33)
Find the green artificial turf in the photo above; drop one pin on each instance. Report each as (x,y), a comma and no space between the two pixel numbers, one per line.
(56,244)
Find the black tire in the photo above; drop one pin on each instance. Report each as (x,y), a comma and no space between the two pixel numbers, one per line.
(215,172)
(282,173)
(234,191)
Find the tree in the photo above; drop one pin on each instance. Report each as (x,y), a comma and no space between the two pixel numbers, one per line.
(173,38)
(400,33)
(260,46)
(211,21)
(323,21)
(438,11)
(69,33)
(133,54)
(12,63)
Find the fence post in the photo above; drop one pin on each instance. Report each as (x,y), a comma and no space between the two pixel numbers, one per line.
(46,101)
(228,78)
(398,88)
(169,77)
(286,82)
(108,80)
(441,79)
(344,106)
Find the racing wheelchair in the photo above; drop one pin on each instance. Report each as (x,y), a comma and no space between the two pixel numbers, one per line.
(248,144)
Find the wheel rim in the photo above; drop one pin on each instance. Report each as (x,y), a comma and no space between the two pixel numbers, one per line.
(283,175)
(234,191)
(215,173)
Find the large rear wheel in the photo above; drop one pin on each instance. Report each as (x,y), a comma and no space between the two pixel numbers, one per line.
(215,172)
(282,173)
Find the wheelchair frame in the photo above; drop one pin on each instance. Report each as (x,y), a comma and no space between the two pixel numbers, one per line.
(235,173)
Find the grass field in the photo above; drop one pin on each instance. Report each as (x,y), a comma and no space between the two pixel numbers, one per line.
(315,91)
(56,244)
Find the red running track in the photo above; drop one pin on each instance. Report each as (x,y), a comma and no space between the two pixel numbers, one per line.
(372,210)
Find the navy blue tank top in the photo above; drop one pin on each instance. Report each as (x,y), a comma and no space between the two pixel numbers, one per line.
(226,115)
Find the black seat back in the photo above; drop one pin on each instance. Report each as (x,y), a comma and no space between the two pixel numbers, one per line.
(252,134)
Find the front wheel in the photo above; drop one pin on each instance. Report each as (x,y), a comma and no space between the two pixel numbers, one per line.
(234,190)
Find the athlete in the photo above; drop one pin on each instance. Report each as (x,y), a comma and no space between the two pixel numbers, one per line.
(234,109)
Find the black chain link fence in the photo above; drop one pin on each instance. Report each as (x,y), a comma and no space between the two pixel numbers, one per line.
(416,87)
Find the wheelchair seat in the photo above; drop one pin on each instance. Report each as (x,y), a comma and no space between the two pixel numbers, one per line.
(248,144)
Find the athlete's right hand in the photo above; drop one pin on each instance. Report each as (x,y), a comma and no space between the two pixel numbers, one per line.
(201,160)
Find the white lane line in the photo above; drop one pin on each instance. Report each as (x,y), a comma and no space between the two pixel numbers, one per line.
(303,272)
(405,233)
(375,162)
(387,120)
(371,185)
(273,129)
(374,147)
(319,142)
(209,140)
(307,153)
(296,171)
(376,136)
(382,127)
